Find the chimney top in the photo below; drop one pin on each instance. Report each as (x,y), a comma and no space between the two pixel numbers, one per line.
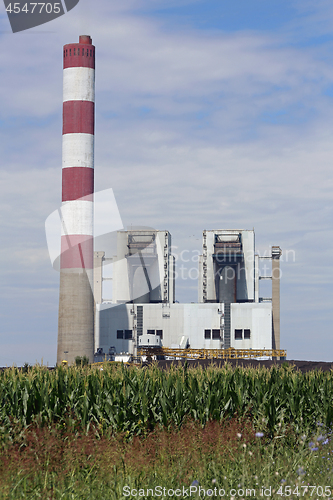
(85,39)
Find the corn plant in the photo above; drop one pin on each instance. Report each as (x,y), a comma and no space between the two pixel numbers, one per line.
(134,400)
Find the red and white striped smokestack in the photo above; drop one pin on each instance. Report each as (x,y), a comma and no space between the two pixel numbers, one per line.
(76,304)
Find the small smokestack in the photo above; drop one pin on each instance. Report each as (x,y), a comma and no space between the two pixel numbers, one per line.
(76,302)
(276,254)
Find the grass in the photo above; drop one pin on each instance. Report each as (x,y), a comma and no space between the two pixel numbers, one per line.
(62,457)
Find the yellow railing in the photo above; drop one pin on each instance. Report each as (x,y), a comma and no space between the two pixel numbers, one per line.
(212,353)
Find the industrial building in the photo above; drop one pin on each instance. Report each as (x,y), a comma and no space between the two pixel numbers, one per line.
(143,311)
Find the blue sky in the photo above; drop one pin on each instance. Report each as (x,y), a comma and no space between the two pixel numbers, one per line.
(209,114)
(223,15)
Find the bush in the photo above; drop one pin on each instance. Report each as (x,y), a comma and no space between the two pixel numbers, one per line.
(82,361)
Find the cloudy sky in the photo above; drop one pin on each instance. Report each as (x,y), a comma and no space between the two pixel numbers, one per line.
(209,114)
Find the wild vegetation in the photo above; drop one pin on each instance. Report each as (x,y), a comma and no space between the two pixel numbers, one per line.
(90,432)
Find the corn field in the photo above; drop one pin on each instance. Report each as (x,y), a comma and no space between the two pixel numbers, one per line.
(134,400)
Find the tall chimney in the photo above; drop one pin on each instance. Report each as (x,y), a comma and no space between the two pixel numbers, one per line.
(76,302)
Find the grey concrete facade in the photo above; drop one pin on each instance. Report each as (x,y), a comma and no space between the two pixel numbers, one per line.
(199,326)
(76,318)
(143,268)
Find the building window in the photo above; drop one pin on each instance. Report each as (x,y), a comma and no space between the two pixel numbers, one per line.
(128,334)
(238,334)
(247,333)
(74,51)
(159,333)
(120,334)
(207,334)
(216,334)
(78,52)
(151,332)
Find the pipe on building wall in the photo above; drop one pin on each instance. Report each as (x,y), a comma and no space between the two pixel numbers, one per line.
(276,254)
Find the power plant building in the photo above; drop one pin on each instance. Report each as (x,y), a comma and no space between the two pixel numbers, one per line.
(142,311)
(144,257)
(229,312)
